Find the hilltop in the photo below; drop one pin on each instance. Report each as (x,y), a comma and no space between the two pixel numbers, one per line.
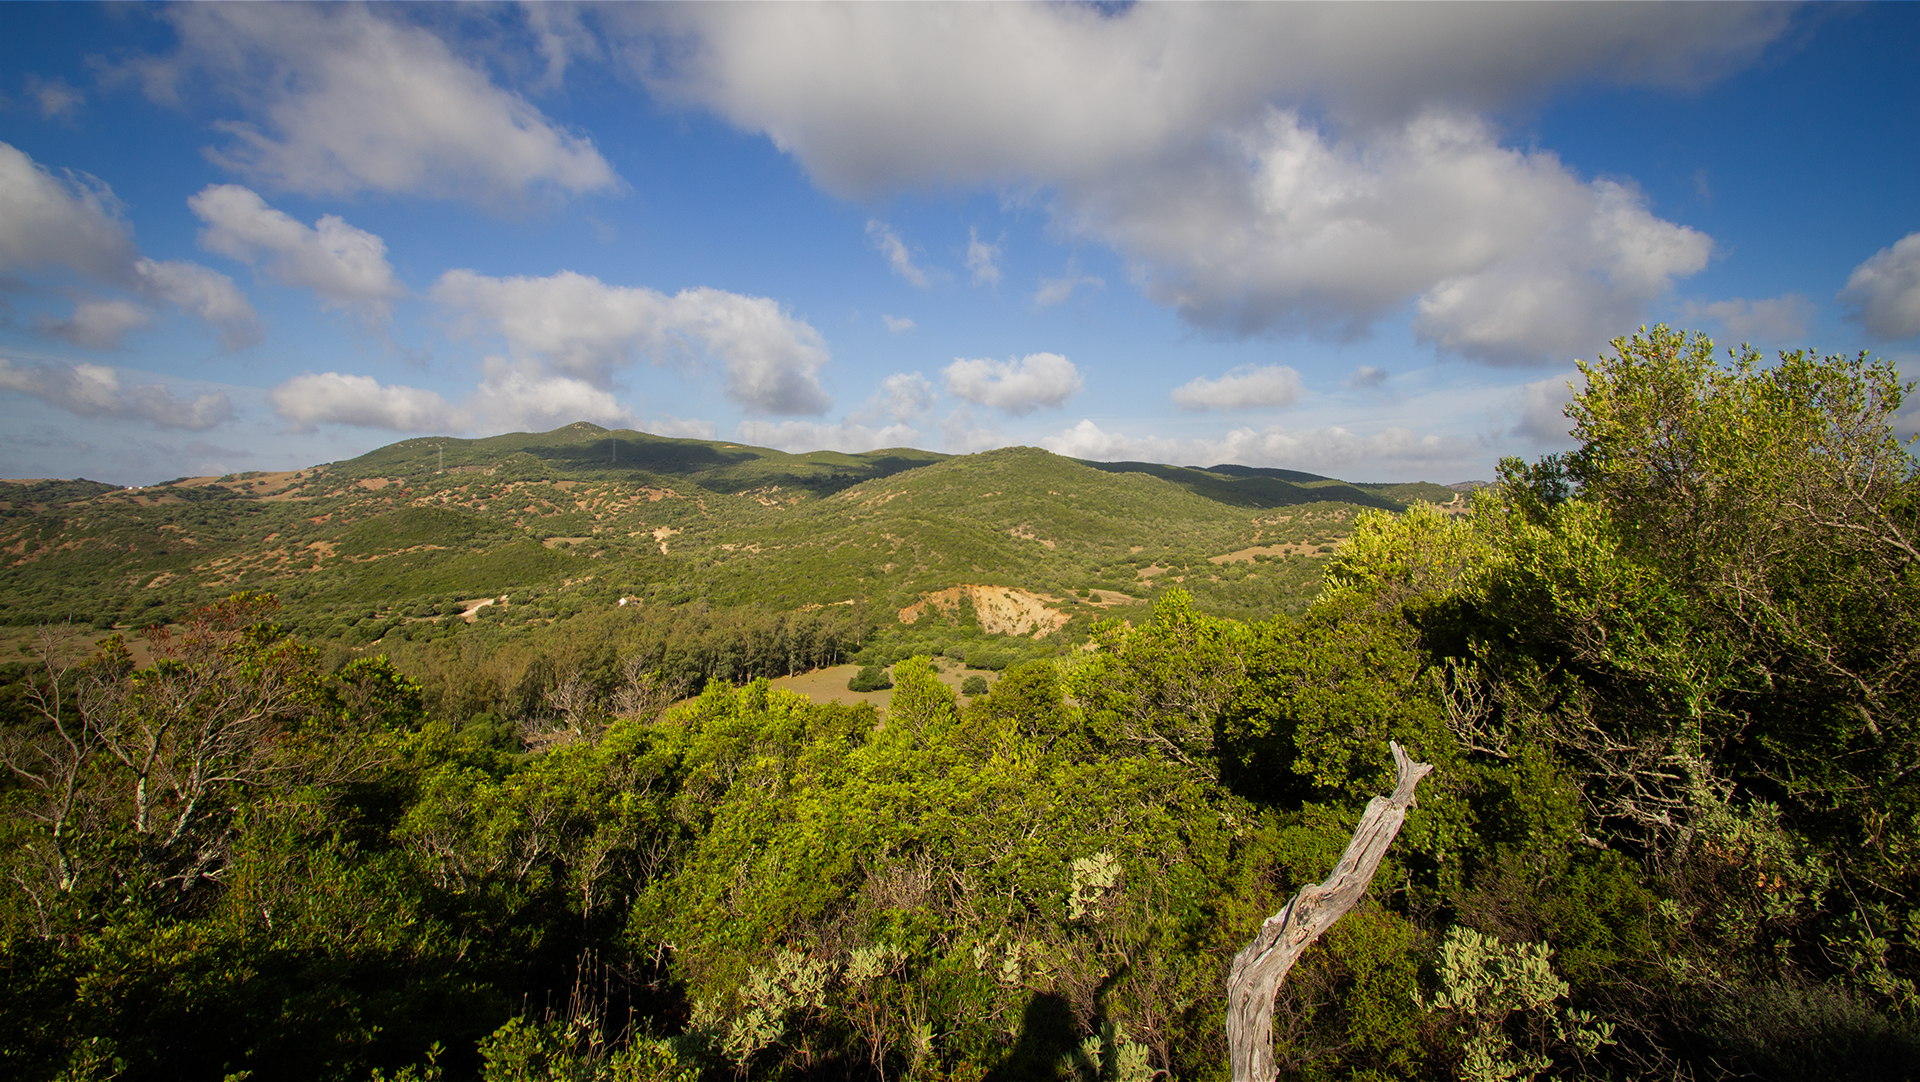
(530,528)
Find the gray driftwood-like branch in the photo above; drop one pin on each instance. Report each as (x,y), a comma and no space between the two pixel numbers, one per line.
(1259,968)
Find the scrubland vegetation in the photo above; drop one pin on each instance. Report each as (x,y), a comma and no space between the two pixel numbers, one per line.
(1666,682)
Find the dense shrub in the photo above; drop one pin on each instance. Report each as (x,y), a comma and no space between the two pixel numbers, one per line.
(870,678)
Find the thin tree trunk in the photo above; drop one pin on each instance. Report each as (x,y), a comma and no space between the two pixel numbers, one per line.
(1259,968)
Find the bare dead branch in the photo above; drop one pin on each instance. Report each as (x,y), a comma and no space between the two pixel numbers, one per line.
(1258,969)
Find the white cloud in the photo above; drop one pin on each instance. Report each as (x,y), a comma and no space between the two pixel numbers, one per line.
(347,101)
(55,99)
(1906,424)
(878,98)
(901,397)
(1885,290)
(585,329)
(343,265)
(898,324)
(963,433)
(1778,320)
(48,221)
(1018,387)
(526,397)
(1367,377)
(1246,387)
(203,292)
(101,323)
(1543,418)
(522,396)
(338,398)
(1054,291)
(1510,256)
(898,257)
(849,436)
(74,222)
(97,324)
(1171,133)
(91,390)
(680,428)
(1392,451)
(982,259)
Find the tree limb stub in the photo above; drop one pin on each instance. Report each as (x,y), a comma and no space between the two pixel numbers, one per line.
(1258,969)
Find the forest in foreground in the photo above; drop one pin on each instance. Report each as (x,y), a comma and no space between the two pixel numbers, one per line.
(1666,682)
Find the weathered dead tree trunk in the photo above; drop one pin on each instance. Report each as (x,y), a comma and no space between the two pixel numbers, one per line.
(1258,969)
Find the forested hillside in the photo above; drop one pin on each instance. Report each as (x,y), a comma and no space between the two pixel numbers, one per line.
(577,519)
(528,553)
(1667,683)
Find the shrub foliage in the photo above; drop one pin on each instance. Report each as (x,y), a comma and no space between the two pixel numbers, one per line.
(1667,682)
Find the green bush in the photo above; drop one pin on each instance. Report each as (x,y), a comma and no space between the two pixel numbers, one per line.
(870,678)
(974,685)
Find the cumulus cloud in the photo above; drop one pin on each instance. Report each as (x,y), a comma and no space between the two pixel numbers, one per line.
(1391,451)
(96,324)
(895,249)
(680,428)
(1246,387)
(982,259)
(1054,291)
(70,221)
(527,397)
(849,436)
(1885,290)
(91,390)
(584,329)
(878,98)
(1367,377)
(898,324)
(1906,424)
(74,222)
(1510,256)
(203,292)
(1172,134)
(343,100)
(314,399)
(1779,319)
(964,433)
(880,421)
(343,265)
(102,323)
(511,396)
(901,397)
(1543,418)
(1017,386)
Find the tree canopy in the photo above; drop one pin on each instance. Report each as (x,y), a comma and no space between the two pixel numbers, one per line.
(1666,682)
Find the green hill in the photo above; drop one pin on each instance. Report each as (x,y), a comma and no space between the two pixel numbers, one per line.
(578,518)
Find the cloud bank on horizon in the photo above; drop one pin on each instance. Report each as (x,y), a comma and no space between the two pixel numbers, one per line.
(1357,239)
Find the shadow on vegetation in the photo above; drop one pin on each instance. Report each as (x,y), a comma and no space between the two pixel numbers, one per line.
(1046,1037)
(1813,1033)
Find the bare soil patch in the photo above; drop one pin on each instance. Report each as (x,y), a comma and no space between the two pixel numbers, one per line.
(1001,610)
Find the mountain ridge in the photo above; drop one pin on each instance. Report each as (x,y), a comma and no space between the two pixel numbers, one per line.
(584,516)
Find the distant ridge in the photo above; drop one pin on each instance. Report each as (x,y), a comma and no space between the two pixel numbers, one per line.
(1252,486)
(588,519)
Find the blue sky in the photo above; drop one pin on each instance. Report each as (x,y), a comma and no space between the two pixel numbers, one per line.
(1363,240)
